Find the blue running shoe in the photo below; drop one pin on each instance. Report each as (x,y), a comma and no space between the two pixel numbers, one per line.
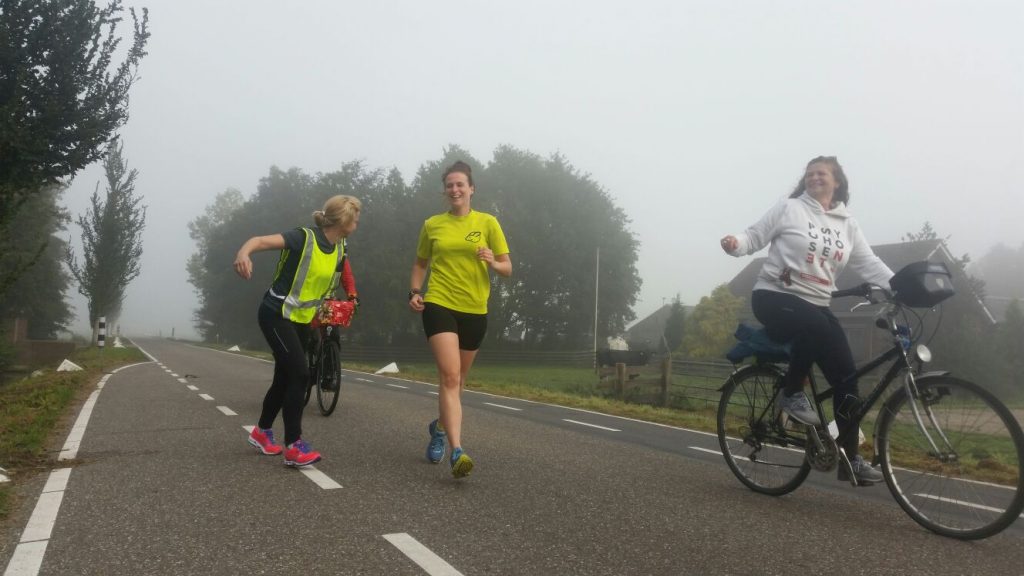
(436,449)
(462,464)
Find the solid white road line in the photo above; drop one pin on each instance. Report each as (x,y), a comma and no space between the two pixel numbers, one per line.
(227,411)
(70,450)
(27,559)
(28,555)
(503,406)
(206,397)
(591,425)
(398,386)
(40,524)
(962,503)
(431,563)
(193,388)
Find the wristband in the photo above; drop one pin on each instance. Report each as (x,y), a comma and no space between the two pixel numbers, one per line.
(413,293)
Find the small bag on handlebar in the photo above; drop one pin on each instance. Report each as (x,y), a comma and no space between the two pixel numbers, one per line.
(336,313)
(922,284)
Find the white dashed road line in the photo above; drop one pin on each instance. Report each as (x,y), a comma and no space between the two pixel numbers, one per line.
(365,380)
(503,406)
(398,386)
(227,411)
(183,380)
(708,450)
(431,563)
(206,397)
(193,388)
(591,425)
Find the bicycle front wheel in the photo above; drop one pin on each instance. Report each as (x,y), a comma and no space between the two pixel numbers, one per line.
(953,458)
(765,453)
(328,379)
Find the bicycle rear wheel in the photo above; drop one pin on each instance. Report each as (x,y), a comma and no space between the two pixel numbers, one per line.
(760,449)
(328,380)
(965,477)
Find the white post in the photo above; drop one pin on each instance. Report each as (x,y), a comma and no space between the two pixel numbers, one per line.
(102,336)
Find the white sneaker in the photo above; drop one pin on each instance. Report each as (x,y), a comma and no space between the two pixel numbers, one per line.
(799,408)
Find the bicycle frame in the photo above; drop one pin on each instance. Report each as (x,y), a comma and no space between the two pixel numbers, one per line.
(901,362)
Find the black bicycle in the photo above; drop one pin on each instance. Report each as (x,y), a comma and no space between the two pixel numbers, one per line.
(324,357)
(951,453)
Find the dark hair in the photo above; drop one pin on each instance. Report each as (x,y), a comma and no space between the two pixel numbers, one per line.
(842,193)
(461,167)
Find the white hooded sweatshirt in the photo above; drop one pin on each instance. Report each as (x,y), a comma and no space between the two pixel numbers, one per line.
(809,249)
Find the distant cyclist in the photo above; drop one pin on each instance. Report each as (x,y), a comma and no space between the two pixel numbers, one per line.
(812,239)
(461,247)
(309,259)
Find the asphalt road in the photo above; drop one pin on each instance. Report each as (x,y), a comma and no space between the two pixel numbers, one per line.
(165,483)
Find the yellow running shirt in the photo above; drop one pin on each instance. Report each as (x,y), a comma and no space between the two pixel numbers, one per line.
(458,279)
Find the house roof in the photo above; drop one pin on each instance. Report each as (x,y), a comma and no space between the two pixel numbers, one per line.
(895,256)
(649,330)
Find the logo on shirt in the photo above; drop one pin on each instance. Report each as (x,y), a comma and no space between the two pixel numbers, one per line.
(473,237)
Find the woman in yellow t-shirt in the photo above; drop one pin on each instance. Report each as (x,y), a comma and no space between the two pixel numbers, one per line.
(460,247)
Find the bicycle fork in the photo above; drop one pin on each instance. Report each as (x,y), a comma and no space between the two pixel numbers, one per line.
(913,396)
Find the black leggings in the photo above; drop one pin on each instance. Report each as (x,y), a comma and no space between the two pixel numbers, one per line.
(291,372)
(818,339)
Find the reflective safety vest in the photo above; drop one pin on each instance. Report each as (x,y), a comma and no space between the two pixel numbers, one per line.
(313,279)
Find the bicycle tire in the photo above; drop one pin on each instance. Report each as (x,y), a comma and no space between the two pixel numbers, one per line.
(328,381)
(971,492)
(760,450)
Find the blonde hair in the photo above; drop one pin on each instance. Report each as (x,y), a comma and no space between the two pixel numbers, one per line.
(338,209)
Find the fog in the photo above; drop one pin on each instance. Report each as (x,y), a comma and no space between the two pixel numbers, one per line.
(694,116)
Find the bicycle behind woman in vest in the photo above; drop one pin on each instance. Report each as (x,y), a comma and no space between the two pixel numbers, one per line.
(311,262)
(812,237)
(461,247)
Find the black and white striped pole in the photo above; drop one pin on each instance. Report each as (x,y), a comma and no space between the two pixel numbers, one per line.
(102,335)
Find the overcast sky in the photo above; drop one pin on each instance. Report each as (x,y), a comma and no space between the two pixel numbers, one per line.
(695,116)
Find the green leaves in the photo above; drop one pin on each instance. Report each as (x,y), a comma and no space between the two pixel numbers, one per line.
(554,218)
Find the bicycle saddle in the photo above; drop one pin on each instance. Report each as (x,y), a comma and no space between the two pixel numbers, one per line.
(755,342)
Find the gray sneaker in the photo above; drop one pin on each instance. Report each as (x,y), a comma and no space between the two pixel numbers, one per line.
(799,408)
(865,474)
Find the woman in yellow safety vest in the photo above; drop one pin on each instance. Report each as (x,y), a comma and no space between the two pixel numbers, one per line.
(310,257)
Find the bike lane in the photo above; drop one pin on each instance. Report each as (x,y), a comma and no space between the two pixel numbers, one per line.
(163,483)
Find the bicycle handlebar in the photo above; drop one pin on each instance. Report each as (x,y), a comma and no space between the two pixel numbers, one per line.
(864,291)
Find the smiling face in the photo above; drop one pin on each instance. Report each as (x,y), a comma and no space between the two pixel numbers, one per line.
(820,182)
(458,190)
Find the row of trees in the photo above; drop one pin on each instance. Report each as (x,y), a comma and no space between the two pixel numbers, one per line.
(63,97)
(554,217)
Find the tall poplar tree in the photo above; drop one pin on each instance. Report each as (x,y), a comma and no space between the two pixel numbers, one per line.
(111,241)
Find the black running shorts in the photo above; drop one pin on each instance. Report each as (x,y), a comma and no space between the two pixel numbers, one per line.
(470,328)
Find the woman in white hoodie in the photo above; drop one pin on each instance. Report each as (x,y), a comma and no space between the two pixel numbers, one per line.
(812,238)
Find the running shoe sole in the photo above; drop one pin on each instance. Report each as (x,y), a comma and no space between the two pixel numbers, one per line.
(302,465)
(462,466)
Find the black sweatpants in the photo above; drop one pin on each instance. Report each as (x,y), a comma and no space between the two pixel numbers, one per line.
(817,338)
(291,372)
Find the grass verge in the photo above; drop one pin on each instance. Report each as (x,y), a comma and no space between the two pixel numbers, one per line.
(31,409)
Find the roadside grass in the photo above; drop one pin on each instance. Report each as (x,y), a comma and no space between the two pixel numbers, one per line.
(31,409)
(570,387)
